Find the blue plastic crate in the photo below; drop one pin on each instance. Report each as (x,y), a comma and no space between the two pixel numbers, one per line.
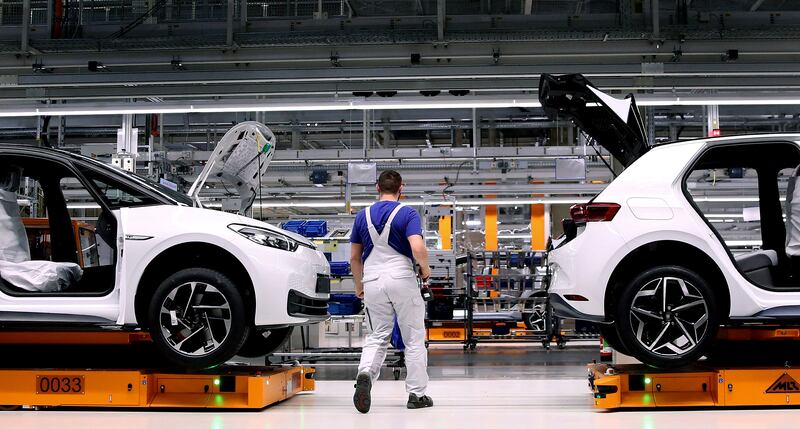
(344,305)
(296,226)
(315,228)
(340,268)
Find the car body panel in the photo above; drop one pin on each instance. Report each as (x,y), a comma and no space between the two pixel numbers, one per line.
(144,232)
(659,173)
(273,272)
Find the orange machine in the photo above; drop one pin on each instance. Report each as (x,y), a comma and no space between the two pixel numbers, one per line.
(639,386)
(232,388)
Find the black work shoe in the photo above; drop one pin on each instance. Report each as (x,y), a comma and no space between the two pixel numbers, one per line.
(362,399)
(415,401)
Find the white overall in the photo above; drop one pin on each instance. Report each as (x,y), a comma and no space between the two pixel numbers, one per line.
(390,288)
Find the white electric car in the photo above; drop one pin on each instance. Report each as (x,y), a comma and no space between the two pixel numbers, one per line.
(689,237)
(205,284)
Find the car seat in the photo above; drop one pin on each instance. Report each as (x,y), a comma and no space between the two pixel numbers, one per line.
(18,273)
(13,239)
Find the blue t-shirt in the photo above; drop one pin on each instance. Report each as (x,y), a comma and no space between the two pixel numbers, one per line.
(405,224)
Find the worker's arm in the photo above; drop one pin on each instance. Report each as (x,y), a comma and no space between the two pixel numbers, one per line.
(357,267)
(420,255)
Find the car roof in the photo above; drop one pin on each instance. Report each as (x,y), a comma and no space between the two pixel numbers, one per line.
(732,139)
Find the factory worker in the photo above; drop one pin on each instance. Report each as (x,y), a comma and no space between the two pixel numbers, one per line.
(386,240)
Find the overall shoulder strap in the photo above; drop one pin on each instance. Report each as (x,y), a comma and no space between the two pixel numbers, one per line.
(373,233)
(388,228)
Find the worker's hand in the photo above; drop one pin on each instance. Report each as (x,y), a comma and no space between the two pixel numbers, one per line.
(359,290)
(424,273)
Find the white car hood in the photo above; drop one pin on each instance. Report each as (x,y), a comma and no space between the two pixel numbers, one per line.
(240,160)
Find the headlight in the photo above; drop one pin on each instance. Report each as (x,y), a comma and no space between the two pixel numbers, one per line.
(267,238)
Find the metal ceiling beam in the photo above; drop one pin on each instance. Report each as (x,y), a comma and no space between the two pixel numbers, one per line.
(430,73)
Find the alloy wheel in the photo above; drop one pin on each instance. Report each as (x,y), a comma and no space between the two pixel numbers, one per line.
(195,319)
(536,319)
(669,316)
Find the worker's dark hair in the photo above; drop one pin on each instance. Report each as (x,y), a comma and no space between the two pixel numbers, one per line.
(389,182)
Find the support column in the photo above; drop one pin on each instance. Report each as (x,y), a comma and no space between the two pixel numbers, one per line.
(62,125)
(446,232)
(365,125)
(538,214)
(243,14)
(476,139)
(656,20)
(490,224)
(26,25)
(441,17)
(229,24)
(712,120)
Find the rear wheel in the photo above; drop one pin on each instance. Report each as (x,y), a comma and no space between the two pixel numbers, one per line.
(265,342)
(198,318)
(667,316)
(611,336)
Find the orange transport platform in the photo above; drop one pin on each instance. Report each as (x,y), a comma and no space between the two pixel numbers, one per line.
(221,388)
(639,386)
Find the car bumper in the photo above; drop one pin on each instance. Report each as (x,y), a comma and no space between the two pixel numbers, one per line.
(564,310)
(281,282)
(583,266)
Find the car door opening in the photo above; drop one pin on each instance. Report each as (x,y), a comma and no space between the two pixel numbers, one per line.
(66,239)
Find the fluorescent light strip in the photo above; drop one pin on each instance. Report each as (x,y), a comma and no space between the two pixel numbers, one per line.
(80,206)
(396,103)
(725,216)
(743,242)
(463,203)
(511,236)
(417,203)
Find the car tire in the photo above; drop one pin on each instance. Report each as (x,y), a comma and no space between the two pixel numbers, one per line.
(535,315)
(666,316)
(611,336)
(265,342)
(197,318)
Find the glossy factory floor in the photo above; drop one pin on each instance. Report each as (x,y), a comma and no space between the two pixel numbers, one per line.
(495,387)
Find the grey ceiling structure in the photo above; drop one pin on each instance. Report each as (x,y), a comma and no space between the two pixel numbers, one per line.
(348,80)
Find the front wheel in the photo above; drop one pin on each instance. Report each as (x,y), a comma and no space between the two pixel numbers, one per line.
(667,316)
(198,318)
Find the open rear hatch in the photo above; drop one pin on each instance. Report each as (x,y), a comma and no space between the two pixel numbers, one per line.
(239,161)
(612,123)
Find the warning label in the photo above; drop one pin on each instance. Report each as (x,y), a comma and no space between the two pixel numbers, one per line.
(784,384)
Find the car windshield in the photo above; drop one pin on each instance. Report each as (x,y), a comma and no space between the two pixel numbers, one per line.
(176,196)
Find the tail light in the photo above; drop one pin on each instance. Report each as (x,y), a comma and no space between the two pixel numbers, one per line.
(593,212)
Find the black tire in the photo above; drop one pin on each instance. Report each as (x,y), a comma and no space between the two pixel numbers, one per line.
(664,340)
(535,316)
(221,302)
(264,342)
(611,336)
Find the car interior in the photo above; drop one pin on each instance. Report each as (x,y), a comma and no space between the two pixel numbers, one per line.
(50,251)
(758,176)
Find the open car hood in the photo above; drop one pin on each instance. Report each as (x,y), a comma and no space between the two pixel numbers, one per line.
(240,160)
(613,123)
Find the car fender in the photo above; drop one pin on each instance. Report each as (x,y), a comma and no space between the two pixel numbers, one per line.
(138,259)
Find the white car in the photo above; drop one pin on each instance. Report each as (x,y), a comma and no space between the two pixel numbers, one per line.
(206,284)
(689,237)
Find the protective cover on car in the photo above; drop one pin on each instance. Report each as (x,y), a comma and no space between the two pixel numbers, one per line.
(614,124)
(793,216)
(239,161)
(13,240)
(40,276)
